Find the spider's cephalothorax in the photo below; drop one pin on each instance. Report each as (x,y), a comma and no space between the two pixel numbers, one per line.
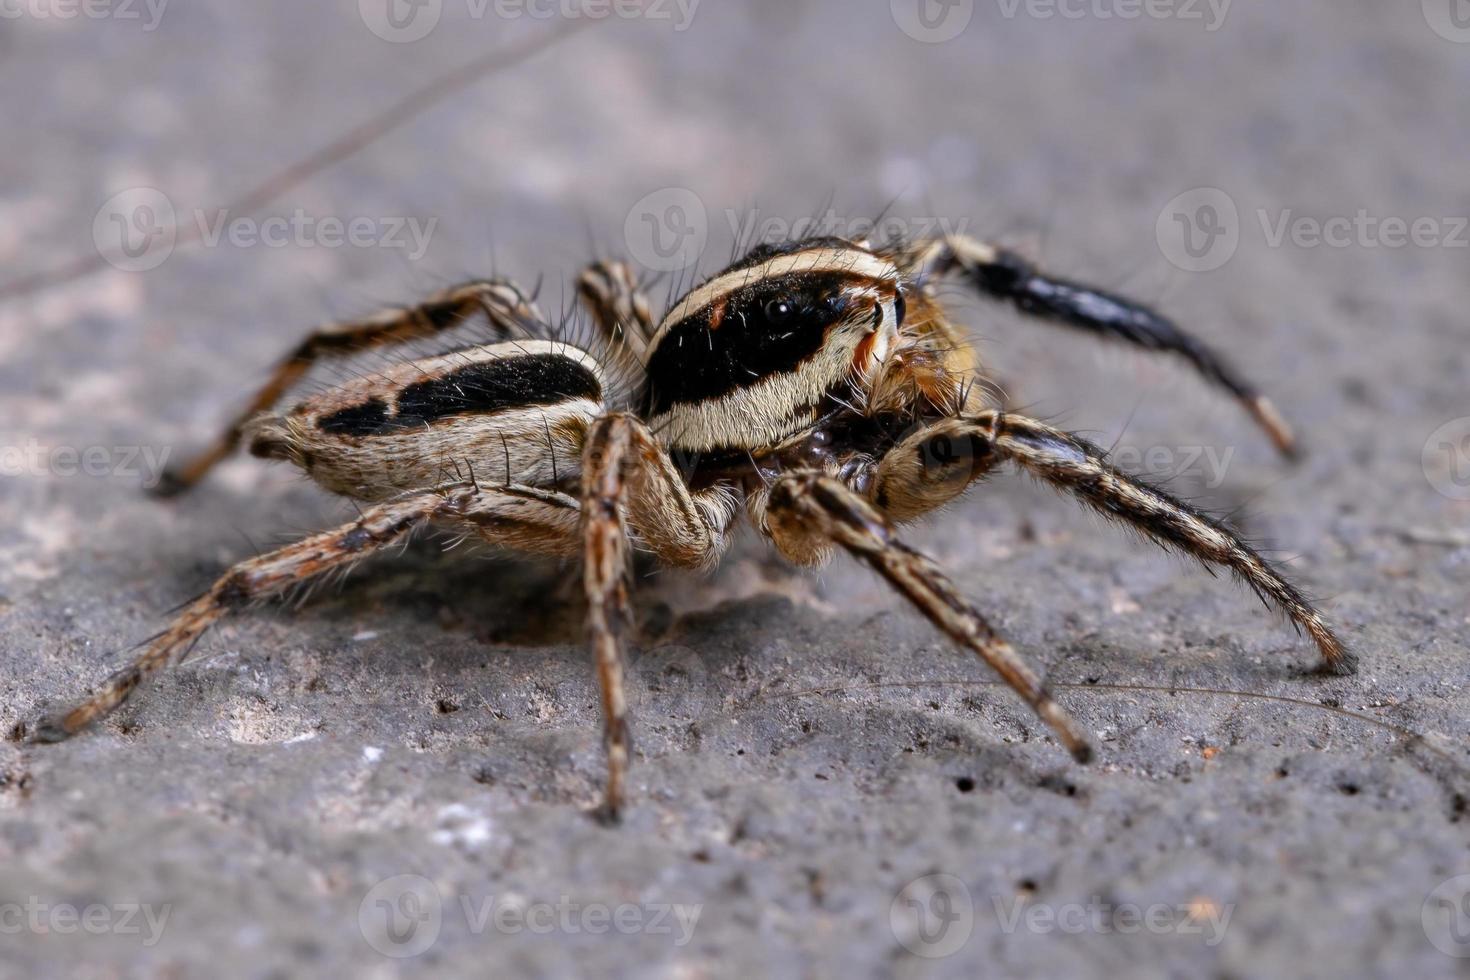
(755,355)
(817,387)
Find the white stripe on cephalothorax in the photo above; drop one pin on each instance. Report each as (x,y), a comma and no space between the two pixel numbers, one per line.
(845,260)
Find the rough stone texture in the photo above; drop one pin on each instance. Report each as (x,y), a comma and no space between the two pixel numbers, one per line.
(807,746)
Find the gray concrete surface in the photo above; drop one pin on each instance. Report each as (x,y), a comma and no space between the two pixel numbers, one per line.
(808,748)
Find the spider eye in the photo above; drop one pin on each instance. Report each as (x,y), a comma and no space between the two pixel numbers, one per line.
(900,307)
(779,309)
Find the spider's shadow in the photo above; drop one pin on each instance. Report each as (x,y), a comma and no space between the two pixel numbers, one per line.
(494,597)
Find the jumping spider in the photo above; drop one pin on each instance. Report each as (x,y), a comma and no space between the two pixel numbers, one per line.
(817,385)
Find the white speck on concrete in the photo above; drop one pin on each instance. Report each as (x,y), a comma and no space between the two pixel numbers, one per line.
(461,826)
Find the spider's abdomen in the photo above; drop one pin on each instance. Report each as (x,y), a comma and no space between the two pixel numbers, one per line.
(512,412)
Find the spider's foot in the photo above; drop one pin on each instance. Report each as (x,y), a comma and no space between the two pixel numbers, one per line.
(1342,663)
(1337,659)
(610,812)
(1268,418)
(50,729)
(169,485)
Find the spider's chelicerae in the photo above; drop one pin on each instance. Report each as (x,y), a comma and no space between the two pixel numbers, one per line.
(818,387)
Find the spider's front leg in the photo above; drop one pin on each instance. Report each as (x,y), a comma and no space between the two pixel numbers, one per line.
(910,473)
(628,482)
(823,509)
(1005,275)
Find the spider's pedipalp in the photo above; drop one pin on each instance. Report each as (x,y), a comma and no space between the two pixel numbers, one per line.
(930,468)
(828,509)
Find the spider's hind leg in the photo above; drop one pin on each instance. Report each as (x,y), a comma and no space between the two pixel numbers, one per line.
(256,578)
(524,519)
(826,509)
(1005,275)
(510,313)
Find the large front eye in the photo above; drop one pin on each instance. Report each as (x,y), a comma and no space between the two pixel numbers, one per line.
(779,309)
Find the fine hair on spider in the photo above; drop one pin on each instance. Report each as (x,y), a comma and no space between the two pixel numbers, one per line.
(816,388)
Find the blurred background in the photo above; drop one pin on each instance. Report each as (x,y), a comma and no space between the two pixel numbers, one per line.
(1288,181)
